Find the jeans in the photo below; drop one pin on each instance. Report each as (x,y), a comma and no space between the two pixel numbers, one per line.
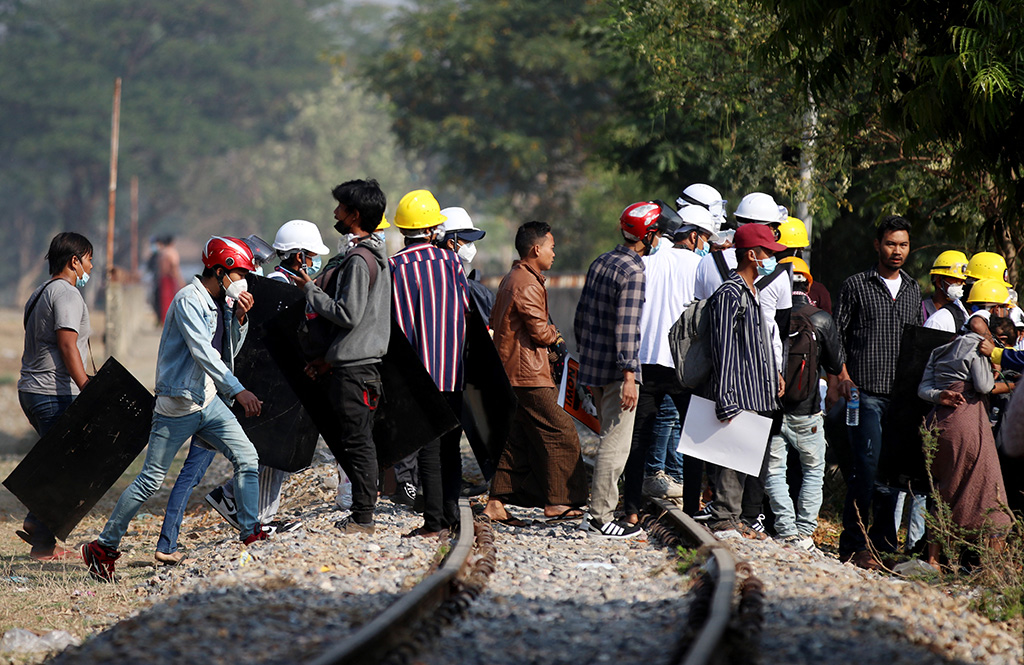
(916,527)
(217,426)
(192,471)
(42,412)
(663,454)
(865,446)
(806,435)
(612,452)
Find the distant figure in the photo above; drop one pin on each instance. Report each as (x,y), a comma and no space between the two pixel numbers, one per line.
(166,275)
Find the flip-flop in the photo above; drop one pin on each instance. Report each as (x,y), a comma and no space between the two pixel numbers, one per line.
(511,521)
(24,536)
(566,516)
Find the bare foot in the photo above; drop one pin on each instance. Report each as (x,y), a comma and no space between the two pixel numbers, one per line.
(564,512)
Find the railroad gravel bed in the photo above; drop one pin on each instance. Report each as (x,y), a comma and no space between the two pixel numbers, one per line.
(283,600)
(820,611)
(560,597)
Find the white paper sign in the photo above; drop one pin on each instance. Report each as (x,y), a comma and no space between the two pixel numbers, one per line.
(739,444)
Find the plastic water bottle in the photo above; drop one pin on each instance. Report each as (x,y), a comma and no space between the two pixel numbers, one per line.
(853,408)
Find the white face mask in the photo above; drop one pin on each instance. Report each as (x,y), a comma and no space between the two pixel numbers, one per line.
(955,291)
(236,288)
(467,252)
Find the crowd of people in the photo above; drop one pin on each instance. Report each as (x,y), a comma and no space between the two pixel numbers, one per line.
(771,341)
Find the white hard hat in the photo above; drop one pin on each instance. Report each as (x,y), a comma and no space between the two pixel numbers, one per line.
(698,217)
(760,208)
(458,221)
(300,234)
(707,197)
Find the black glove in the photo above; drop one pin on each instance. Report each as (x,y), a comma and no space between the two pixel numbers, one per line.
(556,354)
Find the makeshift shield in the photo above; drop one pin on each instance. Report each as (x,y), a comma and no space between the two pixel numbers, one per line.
(488,401)
(86,450)
(901,461)
(575,399)
(268,363)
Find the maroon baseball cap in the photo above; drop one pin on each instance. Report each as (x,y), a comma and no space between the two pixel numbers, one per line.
(749,236)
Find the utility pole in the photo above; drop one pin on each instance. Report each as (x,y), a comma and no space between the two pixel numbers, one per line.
(114,296)
(803,206)
(135,228)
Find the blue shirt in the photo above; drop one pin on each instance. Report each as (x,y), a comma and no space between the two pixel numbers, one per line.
(430,297)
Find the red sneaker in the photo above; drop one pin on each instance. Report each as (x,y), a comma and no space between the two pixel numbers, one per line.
(100,560)
(257,534)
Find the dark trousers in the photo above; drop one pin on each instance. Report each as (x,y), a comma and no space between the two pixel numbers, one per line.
(440,466)
(42,412)
(658,382)
(739,495)
(354,392)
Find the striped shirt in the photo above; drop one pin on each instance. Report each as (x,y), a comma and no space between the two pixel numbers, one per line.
(431,297)
(871,324)
(607,323)
(743,374)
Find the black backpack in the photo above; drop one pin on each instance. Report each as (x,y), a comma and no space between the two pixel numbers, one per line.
(801,358)
(316,333)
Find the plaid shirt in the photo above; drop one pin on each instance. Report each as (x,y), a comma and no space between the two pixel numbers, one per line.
(607,324)
(871,324)
(430,298)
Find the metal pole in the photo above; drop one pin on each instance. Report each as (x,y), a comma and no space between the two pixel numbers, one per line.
(135,226)
(803,208)
(115,125)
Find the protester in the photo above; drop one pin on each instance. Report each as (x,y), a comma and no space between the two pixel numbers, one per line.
(607,328)
(943,309)
(541,463)
(965,467)
(431,298)
(793,234)
(873,308)
(57,332)
(356,299)
(458,234)
(709,198)
(206,318)
(166,263)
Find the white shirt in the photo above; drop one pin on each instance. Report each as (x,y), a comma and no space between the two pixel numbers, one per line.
(894,285)
(175,407)
(670,275)
(942,319)
(777,295)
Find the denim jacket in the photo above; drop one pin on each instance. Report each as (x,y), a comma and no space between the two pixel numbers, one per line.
(186,353)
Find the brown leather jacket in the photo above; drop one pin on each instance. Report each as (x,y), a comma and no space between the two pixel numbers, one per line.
(522,332)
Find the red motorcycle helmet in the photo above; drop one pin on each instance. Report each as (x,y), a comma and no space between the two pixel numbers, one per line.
(639,218)
(231,253)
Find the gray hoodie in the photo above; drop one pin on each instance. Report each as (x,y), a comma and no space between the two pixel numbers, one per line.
(362,314)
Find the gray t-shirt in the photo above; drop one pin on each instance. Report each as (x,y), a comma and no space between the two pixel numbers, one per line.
(60,306)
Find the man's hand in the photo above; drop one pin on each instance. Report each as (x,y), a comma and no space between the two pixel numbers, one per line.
(630,394)
(951,398)
(986,347)
(301,278)
(782,386)
(317,368)
(250,403)
(243,304)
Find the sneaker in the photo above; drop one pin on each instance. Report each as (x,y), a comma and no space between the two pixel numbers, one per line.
(748,531)
(617,529)
(350,527)
(100,560)
(704,514)
(662,486)
(758,524)
(223,505)
(806,543)
(282,526)
(405,494)
(257,534)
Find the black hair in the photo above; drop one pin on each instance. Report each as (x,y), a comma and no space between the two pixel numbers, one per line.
(366,197)
(64,246)
(890,224)
(530,234)
(1002,326)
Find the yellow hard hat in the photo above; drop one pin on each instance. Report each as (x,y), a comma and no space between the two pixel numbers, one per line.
(800,266)
(988,265)
(793,233)
(418,210)
(950,263)
(989,290)
(384,224)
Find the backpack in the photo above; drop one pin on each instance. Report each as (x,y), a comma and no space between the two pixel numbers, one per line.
(801,358)
(688,341)
(316,333)
(958,315)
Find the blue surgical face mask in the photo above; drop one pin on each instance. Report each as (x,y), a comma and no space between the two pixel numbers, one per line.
(654,249)
(315,268)
(703,251)
(767,266)
(380,235)
(82,280)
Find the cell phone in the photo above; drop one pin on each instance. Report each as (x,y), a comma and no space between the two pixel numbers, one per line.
(302,261)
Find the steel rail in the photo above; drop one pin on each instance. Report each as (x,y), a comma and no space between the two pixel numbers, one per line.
(374,640)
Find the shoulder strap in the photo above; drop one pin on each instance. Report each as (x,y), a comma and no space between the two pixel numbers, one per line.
(371,261)
(35,301)
(723,268)
(768,279)
(958,315)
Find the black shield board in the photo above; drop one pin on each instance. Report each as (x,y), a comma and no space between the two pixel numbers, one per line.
(86,450)
(901,461)
(488,401)
(284,433)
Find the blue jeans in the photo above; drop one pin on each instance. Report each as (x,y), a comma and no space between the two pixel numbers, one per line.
(865,446)
(662,455)
(218,427)
(916,527)
(42,412)
(807,437)
(192,471)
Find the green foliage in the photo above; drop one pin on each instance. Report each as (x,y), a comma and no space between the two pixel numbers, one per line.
(688,559)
